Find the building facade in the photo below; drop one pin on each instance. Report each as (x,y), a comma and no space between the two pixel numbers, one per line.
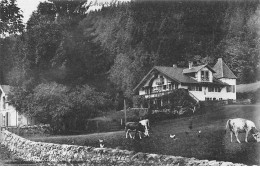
(203,82)
(9,116)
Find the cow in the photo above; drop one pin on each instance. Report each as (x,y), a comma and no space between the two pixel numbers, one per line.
(239,125)
(101,143)
(146,124)
(136,127)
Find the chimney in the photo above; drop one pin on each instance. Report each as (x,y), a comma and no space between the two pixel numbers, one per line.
(190,64)
(174,65)
(220,59)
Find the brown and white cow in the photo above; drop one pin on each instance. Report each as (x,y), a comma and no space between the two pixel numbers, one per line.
(135,127)
(240,125)
(146,124)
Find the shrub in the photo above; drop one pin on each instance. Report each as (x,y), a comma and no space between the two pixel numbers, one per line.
(253,96)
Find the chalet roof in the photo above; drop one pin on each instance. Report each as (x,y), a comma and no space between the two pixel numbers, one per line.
(176,74)
(222,70)
(197,68)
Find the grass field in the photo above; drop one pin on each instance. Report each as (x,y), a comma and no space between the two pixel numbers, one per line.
(213,144)
(242,88)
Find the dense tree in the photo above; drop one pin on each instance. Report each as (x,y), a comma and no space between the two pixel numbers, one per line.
(51,62)
(62,106)
(65,49)
(10,17)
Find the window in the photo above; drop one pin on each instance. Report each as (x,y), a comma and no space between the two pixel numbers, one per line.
(7,119)
(217,89)
(161,80)
(147,90)
(211,89)
(4,121)
(204,75)
(170,86)
(214,89)
(164,87)
(4,106)
(195,88)
(231,88)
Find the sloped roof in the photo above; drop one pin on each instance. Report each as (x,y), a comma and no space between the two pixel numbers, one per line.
(222,70)
(176,74)
(6,89)
(197,68)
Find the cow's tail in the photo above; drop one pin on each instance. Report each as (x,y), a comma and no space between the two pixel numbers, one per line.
(227,125)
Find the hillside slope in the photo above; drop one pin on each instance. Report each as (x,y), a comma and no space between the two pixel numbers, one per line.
(242,88)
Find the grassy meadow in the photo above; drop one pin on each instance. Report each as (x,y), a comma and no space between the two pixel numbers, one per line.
(212,144)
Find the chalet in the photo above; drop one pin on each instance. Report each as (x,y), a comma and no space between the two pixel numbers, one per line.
(202,82)
(9,116)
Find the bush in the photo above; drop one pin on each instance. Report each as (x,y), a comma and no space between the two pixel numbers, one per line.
(253,96)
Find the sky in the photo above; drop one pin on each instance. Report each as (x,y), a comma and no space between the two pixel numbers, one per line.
(28,6)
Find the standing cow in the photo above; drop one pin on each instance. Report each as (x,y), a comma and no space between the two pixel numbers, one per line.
(146,125)
(135,127)
(240,125)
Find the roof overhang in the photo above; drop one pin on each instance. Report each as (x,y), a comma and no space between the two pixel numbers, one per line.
(149,74)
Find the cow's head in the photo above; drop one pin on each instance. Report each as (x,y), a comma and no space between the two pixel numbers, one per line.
(257,137)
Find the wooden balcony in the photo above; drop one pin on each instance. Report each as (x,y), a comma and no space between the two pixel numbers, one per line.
(157,94)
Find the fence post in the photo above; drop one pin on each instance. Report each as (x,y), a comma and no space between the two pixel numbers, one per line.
(125,110)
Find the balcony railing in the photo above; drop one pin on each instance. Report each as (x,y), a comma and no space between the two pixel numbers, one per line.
(205,79)
(157,94)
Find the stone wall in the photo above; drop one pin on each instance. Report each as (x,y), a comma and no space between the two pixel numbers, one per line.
(62,154)
(31,130)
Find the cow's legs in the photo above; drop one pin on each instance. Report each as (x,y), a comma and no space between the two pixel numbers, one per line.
(236,134)
(130,135)
(140,135)
(146,130)
(126,133)
(246,135)
(231,136)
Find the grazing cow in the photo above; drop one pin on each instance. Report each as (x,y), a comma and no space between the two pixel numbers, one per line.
(136,127)
(101,143)
(240,125)
(173,136)
(146,125)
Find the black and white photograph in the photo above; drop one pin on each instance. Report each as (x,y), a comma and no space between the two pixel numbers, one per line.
(129,83)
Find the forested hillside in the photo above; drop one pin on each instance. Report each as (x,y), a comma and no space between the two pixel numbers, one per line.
(88,62)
